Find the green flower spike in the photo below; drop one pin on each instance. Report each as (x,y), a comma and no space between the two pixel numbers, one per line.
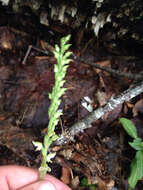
(60,69)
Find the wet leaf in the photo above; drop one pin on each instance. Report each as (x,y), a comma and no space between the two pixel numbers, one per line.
(136,144)
(129,127)
(136,169)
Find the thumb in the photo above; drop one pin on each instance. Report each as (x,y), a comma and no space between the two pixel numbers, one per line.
(40,185)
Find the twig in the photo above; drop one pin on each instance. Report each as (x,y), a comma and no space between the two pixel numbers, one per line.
(112,71)
(129,75)
(98,113)
(29,50)
(27,54)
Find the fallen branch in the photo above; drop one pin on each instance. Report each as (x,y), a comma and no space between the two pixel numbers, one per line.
(113,103)
(119,73)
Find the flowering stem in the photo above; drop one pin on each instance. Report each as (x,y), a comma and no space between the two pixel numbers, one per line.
(62,57)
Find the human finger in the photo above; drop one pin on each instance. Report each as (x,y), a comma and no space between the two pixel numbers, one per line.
(16,177)
(40,185)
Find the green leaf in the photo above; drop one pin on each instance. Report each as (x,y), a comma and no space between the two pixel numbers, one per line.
(133,178)
(84,182)
(136,169)
(142,144)
(139,157)
(129,127)
(136,144)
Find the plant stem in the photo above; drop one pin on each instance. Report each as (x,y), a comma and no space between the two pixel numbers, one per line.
(55,96)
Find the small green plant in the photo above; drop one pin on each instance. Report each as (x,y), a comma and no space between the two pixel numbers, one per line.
(62,57)
(84,182)
(136,172)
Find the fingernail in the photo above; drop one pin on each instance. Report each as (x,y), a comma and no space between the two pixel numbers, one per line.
(45,185)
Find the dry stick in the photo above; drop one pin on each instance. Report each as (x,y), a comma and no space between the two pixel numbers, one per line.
(118,72)
(27,54)
(29,50)
(112,71)
(98,113)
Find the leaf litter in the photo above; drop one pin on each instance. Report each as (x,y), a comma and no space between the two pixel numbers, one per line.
(101,153)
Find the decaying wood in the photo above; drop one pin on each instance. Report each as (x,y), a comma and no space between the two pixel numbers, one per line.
(113,103)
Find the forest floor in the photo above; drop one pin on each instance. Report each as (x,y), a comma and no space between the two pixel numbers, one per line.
(100,156)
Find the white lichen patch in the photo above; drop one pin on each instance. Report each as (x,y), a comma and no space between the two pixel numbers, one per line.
(94,20)
(58,13)
(99,21)
(74,11)
(53,11)
(44,19)
(71,11)
(4,2)
(61,13)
